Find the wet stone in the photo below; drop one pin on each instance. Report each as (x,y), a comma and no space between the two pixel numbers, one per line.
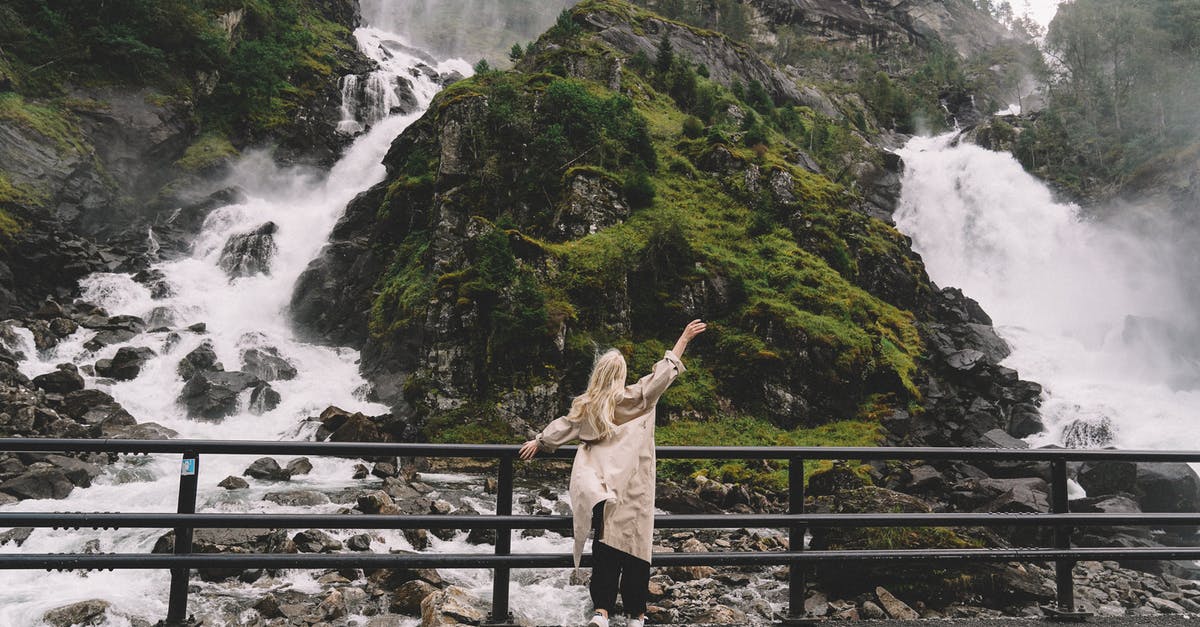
(233,483)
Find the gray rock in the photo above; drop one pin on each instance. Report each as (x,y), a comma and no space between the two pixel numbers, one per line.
(64,380)
(297,498)
(90,612)
(233,483)
(267,469)
(997,438)
(1168,487)
(143,431)
(1084,433)
(315,541)
(248,254)
(299,466)
(871,611)
(266,364)
(1107,477)
(1165,606)
(44,482)
(17,535)
(450,606)
(359,542)
(214,395)
(894,607)
(202,358)
(126,364)
(263,398)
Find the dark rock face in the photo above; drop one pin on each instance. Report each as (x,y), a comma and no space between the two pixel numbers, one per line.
(880,22)
(248,254)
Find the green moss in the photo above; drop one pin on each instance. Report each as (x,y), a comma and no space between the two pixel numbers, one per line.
(404,291)
(474,423)
(48,120)
(13,193)
(748,431)
(208,150)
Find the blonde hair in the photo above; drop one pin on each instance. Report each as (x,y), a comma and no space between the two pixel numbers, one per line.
(597,406)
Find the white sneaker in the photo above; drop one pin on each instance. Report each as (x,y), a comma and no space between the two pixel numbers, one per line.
(599,620)
(635,622)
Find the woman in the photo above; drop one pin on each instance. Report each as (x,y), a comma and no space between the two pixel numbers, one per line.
(612,480)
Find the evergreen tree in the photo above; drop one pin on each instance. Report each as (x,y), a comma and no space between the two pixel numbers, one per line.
(666,56)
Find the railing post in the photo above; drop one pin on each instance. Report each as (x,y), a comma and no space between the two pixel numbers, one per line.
(1064,583)
(188,474)
(797,583)
(504,498)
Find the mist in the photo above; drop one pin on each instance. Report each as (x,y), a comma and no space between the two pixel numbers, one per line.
(468,29)
(1099,310)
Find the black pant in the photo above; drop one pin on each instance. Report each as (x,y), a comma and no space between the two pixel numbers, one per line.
(613,569)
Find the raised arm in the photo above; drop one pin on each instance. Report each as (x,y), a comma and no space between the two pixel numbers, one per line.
(650,387)
(693,328)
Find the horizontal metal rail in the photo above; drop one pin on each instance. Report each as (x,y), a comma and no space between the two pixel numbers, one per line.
(114,561)
(496,451)
(58,520)
(185,521)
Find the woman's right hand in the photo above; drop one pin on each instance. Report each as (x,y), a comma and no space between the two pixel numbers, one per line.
(529,449)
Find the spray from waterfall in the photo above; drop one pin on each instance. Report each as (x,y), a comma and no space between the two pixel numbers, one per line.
(1098,311)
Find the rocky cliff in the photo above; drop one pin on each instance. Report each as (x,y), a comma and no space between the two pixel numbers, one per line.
(532,216)
(92,150)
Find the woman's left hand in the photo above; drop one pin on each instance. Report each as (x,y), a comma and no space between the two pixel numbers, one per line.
(529,449)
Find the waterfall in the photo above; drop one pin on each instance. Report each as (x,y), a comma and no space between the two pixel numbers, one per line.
(1095,310)
(288,213)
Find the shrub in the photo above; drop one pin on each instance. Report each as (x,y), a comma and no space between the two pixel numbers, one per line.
(692,127)
(638,188)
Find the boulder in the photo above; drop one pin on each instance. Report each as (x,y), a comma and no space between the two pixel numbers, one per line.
(263,398)
(266,364)
(90,612)
(895,608)
(202,358)
(451,606)
(358,428)
(299,466)
(298,498)
(267,469)
(316,541)
(214,395)
(233,483)
(41,481)
(1168,487)
(359,542)
(64,380)
(1089,433)
(126,364)
(1107,477)
(408,597)
(248,254)
(143,431)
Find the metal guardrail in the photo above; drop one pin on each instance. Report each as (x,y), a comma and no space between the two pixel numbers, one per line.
(185,520)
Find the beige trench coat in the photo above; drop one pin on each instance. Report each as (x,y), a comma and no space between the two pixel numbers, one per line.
(619,469)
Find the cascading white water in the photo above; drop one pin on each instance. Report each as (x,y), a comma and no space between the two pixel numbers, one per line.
(1093,311)
(239,314)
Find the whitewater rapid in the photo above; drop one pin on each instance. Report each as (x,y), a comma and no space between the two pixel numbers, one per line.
(1090,309)
(239,314)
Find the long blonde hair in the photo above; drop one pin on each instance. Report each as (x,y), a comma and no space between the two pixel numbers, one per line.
(597,406)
